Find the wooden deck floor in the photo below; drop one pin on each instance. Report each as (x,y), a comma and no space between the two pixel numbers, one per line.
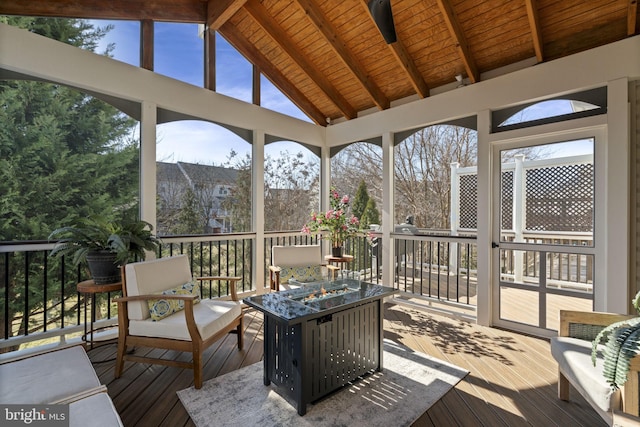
(512,380)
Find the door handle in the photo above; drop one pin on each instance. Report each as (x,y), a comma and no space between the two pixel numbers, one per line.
(494,245)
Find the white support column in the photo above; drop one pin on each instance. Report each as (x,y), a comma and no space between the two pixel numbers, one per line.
(148,122)
(519,215)
(454,215)
(325,186)
(257,220)
(388,257)
(485,222)
(612,291)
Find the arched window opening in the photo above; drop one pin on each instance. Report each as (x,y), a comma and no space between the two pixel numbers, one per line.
(203,179)
(64,155)
(568,107)
(422,172)
(291,185)
(548,109)
(356,171)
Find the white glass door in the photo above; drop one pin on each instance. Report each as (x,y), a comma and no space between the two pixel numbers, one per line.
(543,240)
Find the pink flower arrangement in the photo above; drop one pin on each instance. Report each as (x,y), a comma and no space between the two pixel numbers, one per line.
(336,221)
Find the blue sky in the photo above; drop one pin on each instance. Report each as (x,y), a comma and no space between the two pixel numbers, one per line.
(179,54)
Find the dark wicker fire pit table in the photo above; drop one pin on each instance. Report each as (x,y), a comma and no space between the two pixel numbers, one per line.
(321,336)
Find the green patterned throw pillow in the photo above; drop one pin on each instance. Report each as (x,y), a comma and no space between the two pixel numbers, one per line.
(305,274)
(161,308)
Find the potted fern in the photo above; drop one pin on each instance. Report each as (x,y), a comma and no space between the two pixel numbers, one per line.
(622,344)
(104,245)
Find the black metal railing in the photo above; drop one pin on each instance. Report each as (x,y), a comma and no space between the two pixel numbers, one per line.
(216,255)
(40,299)
(441,267)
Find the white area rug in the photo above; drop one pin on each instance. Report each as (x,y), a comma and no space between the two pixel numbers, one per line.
(409,385)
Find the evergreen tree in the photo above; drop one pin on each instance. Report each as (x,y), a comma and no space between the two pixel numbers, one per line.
(239,203)
(371,215)
(188,221)
(63,155)
(360,200)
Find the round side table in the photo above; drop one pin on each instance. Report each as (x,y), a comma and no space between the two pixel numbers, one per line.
(89,287)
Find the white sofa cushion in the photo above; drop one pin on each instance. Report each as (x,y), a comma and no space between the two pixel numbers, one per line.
(94,411)
(574,361)
(48,377)
(153,277)
(210,316)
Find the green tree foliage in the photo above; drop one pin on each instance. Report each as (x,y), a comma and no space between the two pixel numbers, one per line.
(289,179)
(188,218)
(371,215)
(64,155)
(74,32)
(360,200)
(239,203)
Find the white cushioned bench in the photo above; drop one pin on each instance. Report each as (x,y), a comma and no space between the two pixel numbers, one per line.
(59,376)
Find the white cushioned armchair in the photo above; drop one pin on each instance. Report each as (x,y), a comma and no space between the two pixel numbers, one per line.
(303,263)
(572,350)
(159,310)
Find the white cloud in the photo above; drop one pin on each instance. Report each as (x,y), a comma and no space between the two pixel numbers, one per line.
(197,142)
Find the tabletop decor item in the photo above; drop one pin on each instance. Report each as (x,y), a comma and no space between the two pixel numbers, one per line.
(337,223)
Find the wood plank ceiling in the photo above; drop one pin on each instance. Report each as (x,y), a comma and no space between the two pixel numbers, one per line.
(330,59)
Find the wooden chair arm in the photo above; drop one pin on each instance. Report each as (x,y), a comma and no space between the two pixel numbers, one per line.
(147,297)
(232,280)
(622,419)
(123,312)
(567,317)
(631,392)
(227,278)
(274,277)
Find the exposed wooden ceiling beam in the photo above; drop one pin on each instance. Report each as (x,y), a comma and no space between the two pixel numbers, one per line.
(404,60)
(232,35)
(260,15)
(534,24)
(155,10)
(459,39)
(147,40)
(220,11)
(632,17)
(344,54)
